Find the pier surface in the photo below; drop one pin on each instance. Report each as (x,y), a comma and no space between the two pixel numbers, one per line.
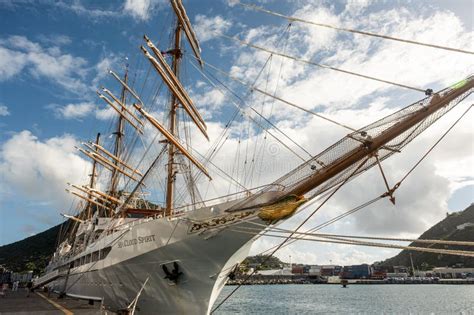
(43,304)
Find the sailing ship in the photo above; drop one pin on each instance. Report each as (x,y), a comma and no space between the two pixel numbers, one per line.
(128,252)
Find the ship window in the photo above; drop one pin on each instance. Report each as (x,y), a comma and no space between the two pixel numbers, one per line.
(104,252)
(77,262)
(95,256)
(81,261)
(87,259)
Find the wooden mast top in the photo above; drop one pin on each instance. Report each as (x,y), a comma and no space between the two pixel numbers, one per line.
(183,24)
(119,139)
(171,177)
(93,176)
(178,97)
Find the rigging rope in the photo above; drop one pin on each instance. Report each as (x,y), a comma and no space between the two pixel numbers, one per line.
(216,147)
(294,231)
(264,118)
(256,154)
(219,143)
(372,244)
(435,144)
(243,42)
(292,18)
(364,205)
(343,236)
(292,238)
(252,119)
(331,221)
(253,88)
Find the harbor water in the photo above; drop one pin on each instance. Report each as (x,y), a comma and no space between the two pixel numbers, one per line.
(355,299)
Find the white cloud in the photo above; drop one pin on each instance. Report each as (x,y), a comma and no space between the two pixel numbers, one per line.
(11,63)
(356,7)
(73,111)
(4,110)
(141,9)
(40,169)
(18,53)
(422,199)
(232,3)
(209,103)
(315,38)
(80,9)
(111,61)
(105,113)
(138,8)
(309,252)
(402,63)
(209,27)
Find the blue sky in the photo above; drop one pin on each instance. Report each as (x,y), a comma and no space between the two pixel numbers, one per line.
(54,55)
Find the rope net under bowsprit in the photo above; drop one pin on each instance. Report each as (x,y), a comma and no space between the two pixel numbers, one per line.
(354,140)
(341,149)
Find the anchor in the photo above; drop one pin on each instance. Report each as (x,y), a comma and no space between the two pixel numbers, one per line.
(174,274)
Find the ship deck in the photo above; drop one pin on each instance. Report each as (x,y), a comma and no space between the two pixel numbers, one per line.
(43,304)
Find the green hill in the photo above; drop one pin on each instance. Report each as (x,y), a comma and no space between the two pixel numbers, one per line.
(32,253)
(450,228)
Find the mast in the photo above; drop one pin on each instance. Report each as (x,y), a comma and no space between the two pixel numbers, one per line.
(118,140)
(179,96)
(92,181)
(170,181)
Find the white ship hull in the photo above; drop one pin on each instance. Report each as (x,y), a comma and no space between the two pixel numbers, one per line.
(205,255)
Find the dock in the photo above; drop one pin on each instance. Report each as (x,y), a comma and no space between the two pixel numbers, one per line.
(42,303)
(305,279)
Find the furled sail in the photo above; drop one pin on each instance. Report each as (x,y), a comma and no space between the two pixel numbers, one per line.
(178,91)
(120,112)
(126,86)
(111,155)
(106,163)
(173,78)
(122,106)
(188,30)
(172,139)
